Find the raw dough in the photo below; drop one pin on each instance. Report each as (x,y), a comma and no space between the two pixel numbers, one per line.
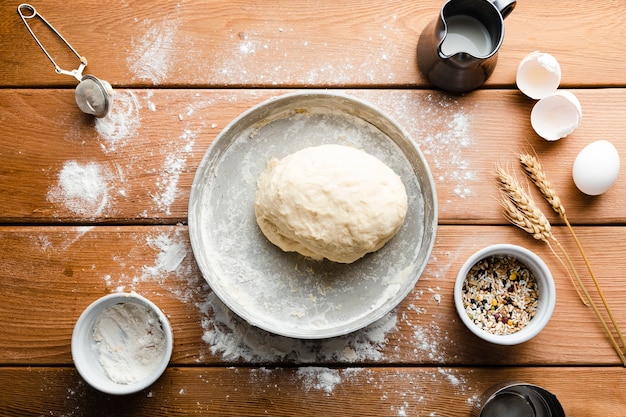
(330,201)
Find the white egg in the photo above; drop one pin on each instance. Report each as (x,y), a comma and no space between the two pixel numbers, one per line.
(596,167)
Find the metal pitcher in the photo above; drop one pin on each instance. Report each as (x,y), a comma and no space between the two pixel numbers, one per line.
(458,51)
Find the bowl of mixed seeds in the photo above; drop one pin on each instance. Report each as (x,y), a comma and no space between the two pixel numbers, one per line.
(505,294)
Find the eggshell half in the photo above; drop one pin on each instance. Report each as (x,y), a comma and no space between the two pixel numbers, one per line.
(538,75)
(556,116)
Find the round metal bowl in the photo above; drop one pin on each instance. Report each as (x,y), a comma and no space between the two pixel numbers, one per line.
(286,293)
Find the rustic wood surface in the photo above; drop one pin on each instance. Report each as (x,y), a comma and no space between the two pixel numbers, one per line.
(182,71)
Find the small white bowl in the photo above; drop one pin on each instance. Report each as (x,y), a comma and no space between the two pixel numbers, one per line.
(538,75)
(88,355)
(545,286)
(556,116)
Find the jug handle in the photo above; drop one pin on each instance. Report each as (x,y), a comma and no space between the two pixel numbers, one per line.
(505,6)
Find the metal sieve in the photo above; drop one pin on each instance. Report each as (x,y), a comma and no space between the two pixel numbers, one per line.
(93,96)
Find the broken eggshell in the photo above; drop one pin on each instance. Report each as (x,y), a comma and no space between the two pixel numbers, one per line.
(538,75)
(556,116)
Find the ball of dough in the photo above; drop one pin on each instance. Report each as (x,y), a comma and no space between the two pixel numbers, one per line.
(330,201)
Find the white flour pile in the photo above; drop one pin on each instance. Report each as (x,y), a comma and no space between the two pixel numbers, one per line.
(81,188)
(130,342)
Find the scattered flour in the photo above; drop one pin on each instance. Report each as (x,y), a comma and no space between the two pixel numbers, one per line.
(171,253)
(81,188)
(441,127)
(80,232)
(151,105)
(402,410)
(174,165)
(172,268)
(45,244)
(150,58)
(122,123)
(428,340)
(444,149)
(457,136)
(242,60)
(234,339)
(319,378)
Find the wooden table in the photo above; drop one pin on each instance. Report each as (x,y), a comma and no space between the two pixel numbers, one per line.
(89,208)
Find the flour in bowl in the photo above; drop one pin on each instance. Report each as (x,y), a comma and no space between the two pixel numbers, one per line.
(130,342)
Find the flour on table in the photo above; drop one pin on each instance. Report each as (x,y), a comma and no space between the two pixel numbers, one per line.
(151,104)
(122,123)
(82,188)
(441,147)
(319,378)
(172,269)
(173,166)
(150,58)
(171,253)
(242,60)
(234,340)
(441,127)
(428,341)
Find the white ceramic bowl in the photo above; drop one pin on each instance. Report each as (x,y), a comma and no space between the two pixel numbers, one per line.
(556,116)
(538,75)
(545,285)
(87,357)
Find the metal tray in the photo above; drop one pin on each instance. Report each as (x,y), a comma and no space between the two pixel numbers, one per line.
(286,293)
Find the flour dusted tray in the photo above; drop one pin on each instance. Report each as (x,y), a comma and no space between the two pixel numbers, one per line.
(286,293)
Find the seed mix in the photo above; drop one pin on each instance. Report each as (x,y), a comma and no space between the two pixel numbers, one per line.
(500,294)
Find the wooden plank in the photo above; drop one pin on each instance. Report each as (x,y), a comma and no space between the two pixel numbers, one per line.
(146,155)
(293,44)
(306,391)
(50,274)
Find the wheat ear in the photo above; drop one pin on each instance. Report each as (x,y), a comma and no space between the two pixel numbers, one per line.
(538,176)
(520,207)
(521,210)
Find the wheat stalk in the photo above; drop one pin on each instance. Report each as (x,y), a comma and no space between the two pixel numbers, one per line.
(521,210)
(538,176)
